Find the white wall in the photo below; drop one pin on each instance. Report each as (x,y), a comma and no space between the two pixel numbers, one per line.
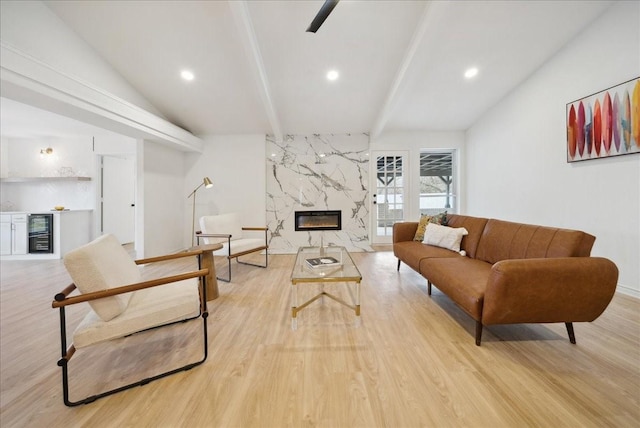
(516,153)
(414,142)
(21,158)
(236,165)
(162,204)
(24,160)
(117,145)
(4,156)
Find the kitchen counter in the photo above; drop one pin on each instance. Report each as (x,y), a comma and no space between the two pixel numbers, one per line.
(71,229)
(46,211)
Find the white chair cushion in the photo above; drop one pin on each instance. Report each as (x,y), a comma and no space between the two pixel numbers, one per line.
(239,246)
(100,265)
(224,223)
(148,308)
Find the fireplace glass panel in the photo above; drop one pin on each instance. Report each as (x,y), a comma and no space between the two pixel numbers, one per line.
(318,220)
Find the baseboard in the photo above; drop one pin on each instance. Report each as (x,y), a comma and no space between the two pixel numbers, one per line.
(628,291)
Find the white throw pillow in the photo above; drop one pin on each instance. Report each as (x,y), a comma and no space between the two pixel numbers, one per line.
(444,236)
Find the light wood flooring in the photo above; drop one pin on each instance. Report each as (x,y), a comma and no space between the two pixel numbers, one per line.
(411,363)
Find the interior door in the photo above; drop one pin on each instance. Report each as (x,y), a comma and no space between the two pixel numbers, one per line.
(118,193)
(390,193)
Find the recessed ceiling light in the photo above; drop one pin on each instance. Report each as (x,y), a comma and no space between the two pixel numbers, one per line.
(471,72)
(187,75)
(332,75)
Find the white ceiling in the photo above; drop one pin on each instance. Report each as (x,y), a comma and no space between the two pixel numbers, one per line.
(401,63)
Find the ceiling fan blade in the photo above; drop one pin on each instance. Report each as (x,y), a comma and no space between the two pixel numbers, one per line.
(325,10)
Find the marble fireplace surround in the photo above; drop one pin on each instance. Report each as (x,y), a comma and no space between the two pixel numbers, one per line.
(318,172)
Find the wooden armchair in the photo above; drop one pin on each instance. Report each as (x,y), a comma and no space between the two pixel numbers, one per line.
(225,229)
(122,304)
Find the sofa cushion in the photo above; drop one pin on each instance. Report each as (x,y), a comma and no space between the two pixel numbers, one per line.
(474,225)
(503,240)
(463,279)
(100,265)
(444,236)
(411,252)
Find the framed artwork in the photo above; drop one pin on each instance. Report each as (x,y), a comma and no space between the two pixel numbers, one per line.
(605,124)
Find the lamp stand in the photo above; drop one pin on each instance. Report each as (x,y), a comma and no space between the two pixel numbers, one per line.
(193,220)
(206,182)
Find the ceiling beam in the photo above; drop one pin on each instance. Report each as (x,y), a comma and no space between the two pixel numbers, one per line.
(240,12)
(392,96)
(28,80)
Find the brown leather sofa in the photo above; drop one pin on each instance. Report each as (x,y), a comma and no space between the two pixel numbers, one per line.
(513,273)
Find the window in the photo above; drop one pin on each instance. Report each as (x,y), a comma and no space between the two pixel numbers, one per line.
(437,187)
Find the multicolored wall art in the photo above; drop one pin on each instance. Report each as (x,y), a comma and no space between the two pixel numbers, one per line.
(605,124)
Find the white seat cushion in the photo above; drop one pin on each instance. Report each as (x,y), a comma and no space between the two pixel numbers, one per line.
(100,265)
(239,246)
(147,308)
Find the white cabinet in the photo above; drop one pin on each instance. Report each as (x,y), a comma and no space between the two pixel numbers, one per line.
(71,229)
(13,234)
(19,225)
(5,234)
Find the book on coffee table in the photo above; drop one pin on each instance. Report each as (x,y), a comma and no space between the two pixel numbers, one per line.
(316,262)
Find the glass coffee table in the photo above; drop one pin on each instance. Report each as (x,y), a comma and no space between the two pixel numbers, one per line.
(322,265)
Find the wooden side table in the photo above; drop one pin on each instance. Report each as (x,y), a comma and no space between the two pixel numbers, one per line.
(207,263)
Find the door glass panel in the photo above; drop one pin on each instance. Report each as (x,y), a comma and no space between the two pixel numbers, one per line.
(389,198)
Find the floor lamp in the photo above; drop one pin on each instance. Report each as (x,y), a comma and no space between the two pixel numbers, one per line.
(207,183)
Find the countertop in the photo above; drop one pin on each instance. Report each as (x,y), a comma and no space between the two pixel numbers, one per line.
(45,211)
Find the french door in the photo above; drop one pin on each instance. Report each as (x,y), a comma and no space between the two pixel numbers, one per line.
(389,193)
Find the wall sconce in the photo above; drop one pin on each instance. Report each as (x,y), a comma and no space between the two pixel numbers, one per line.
(46,152)
(207,183)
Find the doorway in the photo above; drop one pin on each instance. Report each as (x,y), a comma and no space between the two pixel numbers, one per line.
(117,197)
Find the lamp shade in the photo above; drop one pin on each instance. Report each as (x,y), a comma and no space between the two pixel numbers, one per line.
(208,183)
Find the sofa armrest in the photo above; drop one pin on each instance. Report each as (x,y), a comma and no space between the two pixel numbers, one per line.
(567,289)
(404,231)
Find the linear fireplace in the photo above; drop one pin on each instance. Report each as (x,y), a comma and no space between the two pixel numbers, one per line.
(318,220)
